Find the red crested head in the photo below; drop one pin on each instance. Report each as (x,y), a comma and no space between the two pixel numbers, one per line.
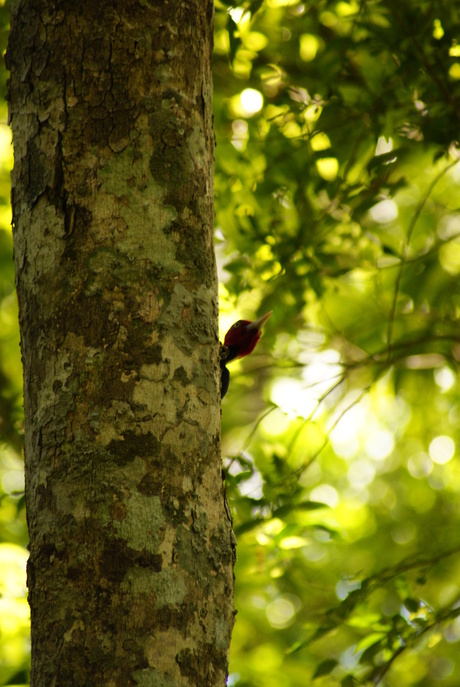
(243,336)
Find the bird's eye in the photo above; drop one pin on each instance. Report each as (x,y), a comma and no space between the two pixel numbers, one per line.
(236,325)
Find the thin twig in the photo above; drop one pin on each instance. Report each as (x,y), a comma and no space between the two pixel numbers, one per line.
(402,264)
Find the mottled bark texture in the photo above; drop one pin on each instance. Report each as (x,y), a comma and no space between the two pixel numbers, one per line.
(130,572)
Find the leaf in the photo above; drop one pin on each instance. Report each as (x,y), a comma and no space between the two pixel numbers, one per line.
(365,620)
(325,668)
(382,160)
(318,633)
(312,505)
(237,264)
(255,6)
(368,655)
(248,526)
(369,640)
(333,534)
(242,476)
(305,505)
(234,41)
(411,604)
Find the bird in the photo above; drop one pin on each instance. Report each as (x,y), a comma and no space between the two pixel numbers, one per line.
(240,340)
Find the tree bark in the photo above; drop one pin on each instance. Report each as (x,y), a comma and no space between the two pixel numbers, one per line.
(130,572)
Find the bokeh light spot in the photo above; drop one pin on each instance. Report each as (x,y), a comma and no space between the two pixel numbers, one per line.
(442,449)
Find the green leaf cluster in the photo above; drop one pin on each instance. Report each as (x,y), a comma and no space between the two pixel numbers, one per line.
(337,207)
(14,610)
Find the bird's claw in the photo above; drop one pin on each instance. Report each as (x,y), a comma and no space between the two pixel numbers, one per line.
(223,352)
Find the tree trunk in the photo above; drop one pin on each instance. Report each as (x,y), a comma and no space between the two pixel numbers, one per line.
(130,572)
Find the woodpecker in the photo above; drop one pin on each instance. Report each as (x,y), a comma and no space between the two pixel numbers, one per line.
(240,340)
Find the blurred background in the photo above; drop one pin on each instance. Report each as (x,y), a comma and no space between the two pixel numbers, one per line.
(338,208)
(14,609)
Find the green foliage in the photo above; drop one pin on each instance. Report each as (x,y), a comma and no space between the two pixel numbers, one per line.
(14,611)
(337,207)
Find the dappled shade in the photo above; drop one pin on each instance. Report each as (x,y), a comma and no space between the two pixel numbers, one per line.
(337,207)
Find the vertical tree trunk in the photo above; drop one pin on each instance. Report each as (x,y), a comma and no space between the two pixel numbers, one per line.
(130,570)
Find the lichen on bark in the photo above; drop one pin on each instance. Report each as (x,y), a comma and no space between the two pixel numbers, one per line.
(130,548)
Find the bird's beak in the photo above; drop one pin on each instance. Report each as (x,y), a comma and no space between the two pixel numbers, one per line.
(258,324)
